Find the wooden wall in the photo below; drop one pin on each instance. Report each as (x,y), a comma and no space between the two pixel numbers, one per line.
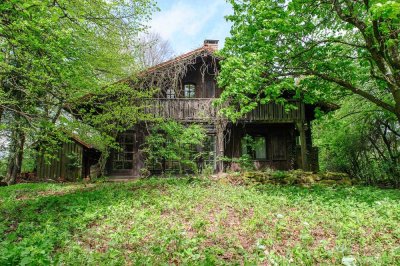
(206,86)
(58,168)
(280,144)
(273,112)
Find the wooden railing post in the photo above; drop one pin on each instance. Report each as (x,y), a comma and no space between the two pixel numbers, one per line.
(201,109)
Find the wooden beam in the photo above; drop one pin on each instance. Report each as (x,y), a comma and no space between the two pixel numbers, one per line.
(220,146)
(303,146)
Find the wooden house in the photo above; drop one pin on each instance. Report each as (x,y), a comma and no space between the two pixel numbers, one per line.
(72,161)
(188,88)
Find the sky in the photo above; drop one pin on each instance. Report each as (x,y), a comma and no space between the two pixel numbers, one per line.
(187,23)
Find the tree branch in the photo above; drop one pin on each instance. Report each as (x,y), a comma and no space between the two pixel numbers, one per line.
(348,86)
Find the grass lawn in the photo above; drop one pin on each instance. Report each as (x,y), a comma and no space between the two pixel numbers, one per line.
(193,221)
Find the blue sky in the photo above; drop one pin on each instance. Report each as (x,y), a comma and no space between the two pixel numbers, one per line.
(187,23)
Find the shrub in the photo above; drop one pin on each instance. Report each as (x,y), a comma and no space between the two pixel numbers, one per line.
(362,141)
(172,142)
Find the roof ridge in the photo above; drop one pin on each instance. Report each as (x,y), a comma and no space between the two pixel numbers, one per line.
(180,57)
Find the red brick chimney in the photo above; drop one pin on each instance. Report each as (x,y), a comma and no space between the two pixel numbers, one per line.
(211,44)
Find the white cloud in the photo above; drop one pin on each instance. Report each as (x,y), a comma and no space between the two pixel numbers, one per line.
(185,23)
(223,29)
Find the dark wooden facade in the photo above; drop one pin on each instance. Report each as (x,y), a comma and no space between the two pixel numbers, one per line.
(72,162)
(285,135)
(280,144)
(202,109)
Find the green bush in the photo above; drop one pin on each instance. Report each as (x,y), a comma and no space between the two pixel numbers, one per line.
(171,141)
(361,140)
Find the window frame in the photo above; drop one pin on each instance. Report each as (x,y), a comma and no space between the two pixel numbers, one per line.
(123,159)
(265,148)
(170,93)
(252,151)
(191,90)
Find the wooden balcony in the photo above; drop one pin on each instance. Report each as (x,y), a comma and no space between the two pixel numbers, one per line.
(202,110)
(276,113)
(184,109)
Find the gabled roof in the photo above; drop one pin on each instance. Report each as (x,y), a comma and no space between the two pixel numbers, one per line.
(81,142)
(208,49)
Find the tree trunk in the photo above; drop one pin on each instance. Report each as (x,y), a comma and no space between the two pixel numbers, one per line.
(396,96)
(16,152)
(103,161)
(1,113)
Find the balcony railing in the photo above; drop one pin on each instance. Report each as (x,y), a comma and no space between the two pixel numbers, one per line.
(188,109)
(201,109)
(276,113)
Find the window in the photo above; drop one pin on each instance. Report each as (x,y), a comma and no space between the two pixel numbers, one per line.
(256,147)
(210,151)
(170,93)
(123,159)
(190,90)
(260,148)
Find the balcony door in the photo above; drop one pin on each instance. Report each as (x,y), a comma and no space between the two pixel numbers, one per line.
(124,160)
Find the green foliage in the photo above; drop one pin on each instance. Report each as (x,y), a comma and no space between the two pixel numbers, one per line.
(113,110)
(29,161)
(361,140)
(3,167)
(56,51)
(156,221)
(311,50)
(172,141)
(245,162)
(74,161)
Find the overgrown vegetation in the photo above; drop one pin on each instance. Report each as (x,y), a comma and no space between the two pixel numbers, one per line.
(53,52)
(292,177)
(361,140)
(171,142)
(115,109)
(320,51)
(195,221)
(245,161)
(312,50)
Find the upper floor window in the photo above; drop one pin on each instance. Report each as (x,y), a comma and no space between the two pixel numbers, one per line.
(170,93)
(190,90)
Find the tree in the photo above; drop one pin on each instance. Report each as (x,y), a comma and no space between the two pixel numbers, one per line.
(153,50)
(115,109)
(55,50)
(362,140)
(312,49)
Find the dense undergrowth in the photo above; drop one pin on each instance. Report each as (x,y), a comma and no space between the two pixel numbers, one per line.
(197,221)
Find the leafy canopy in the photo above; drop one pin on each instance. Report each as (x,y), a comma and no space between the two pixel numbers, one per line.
(55,51)
(313,50)
(361,140)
